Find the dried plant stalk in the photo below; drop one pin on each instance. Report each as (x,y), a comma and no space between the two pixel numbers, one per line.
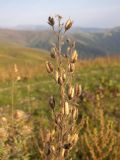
(100,141)
(58,141)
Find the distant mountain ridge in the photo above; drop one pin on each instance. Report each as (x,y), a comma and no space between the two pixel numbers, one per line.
(90,42)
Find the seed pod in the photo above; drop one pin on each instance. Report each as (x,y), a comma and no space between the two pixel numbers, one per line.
(53,52)
(67,146)
(53,148)
(58,119)
(52,102)
(66,108)
(78,90)
(47,148)
(51,21)
(49,67)
(71,67)
(74,113)
(70,92)
(48,136)
(63,152)
(74,138)
(68,24)
(74,57)
(60,80)
(64,76)
(56,76)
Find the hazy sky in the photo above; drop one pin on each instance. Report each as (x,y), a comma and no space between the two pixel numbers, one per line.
(85,13)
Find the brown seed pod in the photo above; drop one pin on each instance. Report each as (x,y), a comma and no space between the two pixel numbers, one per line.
(56,76)
(74,57)
(70,92)
(74,113)
(78,90)
(49,67)
(60,80)
(52,102)
(74,138)
(58,119)
(68,24)
(67,146)
(47,148)
(64,76)
(71,67)
(66,108)
(51,21)
(53,52)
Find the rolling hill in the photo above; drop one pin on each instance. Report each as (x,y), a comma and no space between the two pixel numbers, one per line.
(89,44)
(13,53)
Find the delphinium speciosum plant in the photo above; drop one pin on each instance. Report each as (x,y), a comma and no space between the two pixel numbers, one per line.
(58,141)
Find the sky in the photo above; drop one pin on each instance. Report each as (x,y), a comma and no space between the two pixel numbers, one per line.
(85,13)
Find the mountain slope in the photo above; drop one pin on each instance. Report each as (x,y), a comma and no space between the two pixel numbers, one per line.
(88,44)
(11,54)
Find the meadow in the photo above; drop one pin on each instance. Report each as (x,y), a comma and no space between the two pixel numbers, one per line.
(27,114)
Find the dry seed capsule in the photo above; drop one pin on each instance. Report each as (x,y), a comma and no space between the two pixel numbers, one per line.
(78,90)
(52,102)
(53,52)
(47,148)
(74,57)
(49,67)
(53,148)
(67,146)
(58,119)
(51,21)
(66,108)
(56,76)
(75,138)
(74,113)
(71,67)
(68,24)
(64,76)
(70,92)
(60,80)
(63,152)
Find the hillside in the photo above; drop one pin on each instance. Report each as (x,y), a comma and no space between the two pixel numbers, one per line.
(11,54)
(89,44)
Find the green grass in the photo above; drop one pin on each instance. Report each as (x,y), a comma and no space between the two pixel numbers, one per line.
(12,53)
(92,77)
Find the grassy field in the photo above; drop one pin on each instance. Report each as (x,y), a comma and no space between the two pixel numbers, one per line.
(98,75)
(99,79)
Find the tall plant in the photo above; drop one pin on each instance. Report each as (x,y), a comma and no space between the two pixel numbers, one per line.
(61,138)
